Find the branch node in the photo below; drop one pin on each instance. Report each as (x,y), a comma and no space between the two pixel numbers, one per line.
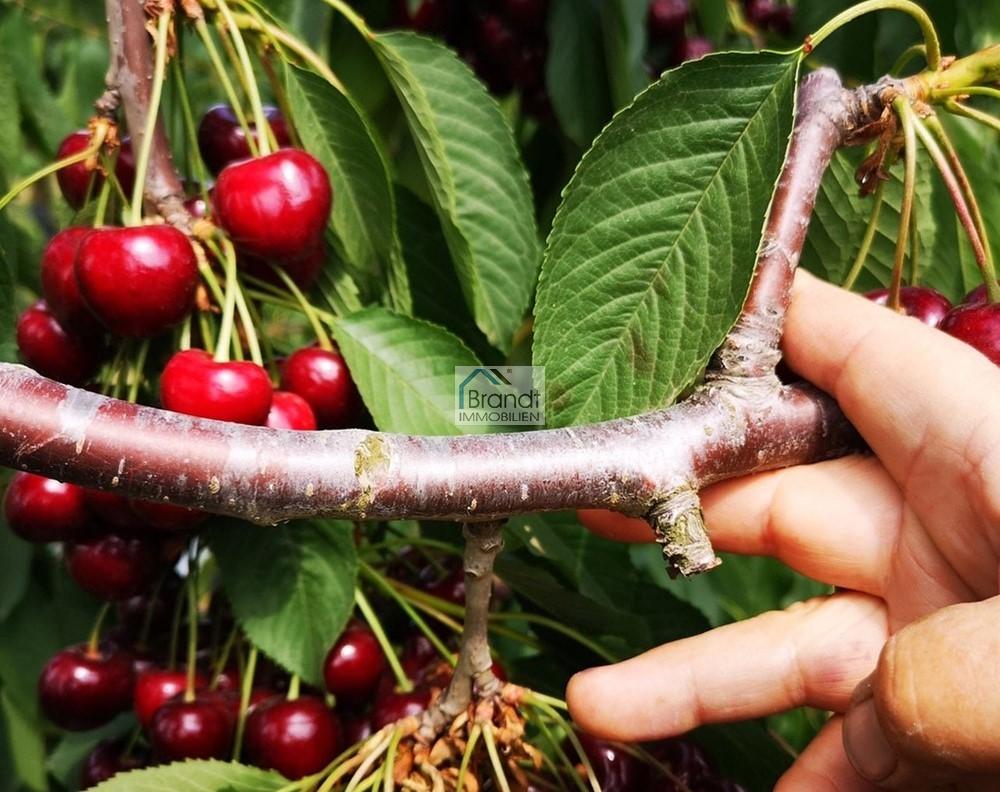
(680,530)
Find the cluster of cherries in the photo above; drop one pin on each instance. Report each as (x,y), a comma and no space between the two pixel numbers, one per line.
(975,320)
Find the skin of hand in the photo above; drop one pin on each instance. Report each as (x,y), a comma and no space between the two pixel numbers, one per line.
(905,653)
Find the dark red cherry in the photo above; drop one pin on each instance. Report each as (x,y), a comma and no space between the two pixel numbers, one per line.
(356,728)
(112,567)
(528,15)
(296,738)
(276,206)
(290,411)
(106,760)
(156,609)
(527,67)
(41,509)
(321,378)
(418,653)
(156,687)
(138,281)
(759,12)
(112,513)
(692,48)
(616,770)
(58,275)
(451,587)
(684,759)
(199,729)
(977,295)
(79,689)
(354,664)
(76,180)
(222,140)
(978,325)
(920,302)
(495,40)
(396,706)
(424,16)
(667,18)
(55,352)
(195,384)
(167,517)
(782,21)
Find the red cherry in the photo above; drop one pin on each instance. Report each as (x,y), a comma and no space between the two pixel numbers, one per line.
(53,351)
(222,140)
(166,517)
(495,40)
(75,180)
(920,302)
(290,411)
(418,653)
(195,384)
(62,293)
(155,688)
(296,738)
(41,509)
(321,378)
(396,706)
(112,567)
(528,15)
(978,325)
(782,21)
(451,588)
(275,206)
(79,689)
(977,295)
(759,12)
(693,48)
(356,728)
(134,613)
(615,769)
(424,16)
(106,760)
(199,729)
(667,18)
(138,281)
(113,513)
(354,664)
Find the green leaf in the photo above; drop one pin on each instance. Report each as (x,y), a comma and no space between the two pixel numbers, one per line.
(405,370)
(15,566)
(27,743)
(11,143)
(334,130)
(477,182)
(68,754)
(624,25)
(196,776)
(291,587)
(574,72)
(652,251)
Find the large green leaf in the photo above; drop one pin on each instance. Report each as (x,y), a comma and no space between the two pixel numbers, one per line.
(364,212)
(624,26)
(653,248)
(26,738)
(196,776)
(291,587)
(405,370)
(476,180)
(15,566)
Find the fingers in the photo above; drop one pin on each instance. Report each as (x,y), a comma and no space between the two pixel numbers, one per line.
(930,709)
(823,765)
(813,653)
(845,543)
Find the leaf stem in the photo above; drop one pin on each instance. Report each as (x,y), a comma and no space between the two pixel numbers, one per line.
(906,117)
(159,74)
(402,680)
(868,238)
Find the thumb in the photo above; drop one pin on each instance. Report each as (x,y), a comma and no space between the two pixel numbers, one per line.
(928,714)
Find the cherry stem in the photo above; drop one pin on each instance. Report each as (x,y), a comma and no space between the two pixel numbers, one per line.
(247,323)
(103,197)
(246,688)
(253,93)
(958,109)
(905,113)
(571,736)
(352,16)
(969,90)
(223,659)
(222,346)
(866,241)
(159,73)
(403,682)
(194,161)
(474,734)
(94,641)
(192,600)
(915,244)
(175,628)
(293,687)
(919,15)
(91,151)
(227,85)
(965,214)
(147,617)
(498,772)
(274,295)
(321,335)
(908,54)
(135,372)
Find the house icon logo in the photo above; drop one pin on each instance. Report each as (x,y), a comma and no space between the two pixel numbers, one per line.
(499,396)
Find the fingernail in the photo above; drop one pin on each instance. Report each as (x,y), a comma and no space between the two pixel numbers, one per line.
(866,745)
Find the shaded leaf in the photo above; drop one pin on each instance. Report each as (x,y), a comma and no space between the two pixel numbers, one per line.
(196,776)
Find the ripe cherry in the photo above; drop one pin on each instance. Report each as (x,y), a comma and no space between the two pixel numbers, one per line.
(112,567)
(977,295)
(76,180)
(82,689)
(782,21)
(199,729)
(495,40)
(692,48)
(396,706)
(166,517)
(759,12)
(41,509)
(685,760)
(321,378)
(295,737)
(450,588)
(920,302)
(276,206)
(222,140)
(354,664)
(418,653)
(106,760)
(616,770)
(156,687)
(195,384)
(54,352)
(356,728)
(62,292)
(424,16)
(290,411)
(113,512)
(978,325)
(667,18)
(138,281)
(528,15)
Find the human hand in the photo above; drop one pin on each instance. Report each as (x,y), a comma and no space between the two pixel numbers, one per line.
(910,536)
